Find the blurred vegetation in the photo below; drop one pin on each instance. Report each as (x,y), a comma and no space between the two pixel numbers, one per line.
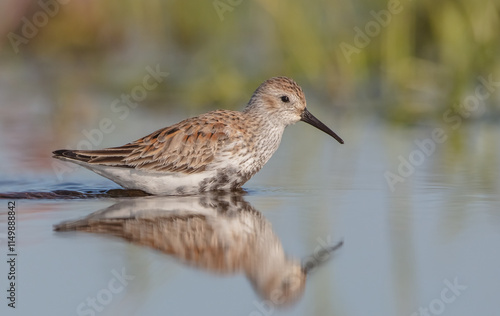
(426,60)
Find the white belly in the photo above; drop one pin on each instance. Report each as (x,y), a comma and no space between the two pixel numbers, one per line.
(171,183)
(153,183)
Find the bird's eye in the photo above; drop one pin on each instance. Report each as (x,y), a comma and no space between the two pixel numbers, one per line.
(285,99)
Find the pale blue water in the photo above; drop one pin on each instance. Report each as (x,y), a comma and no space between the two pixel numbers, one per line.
(401,252)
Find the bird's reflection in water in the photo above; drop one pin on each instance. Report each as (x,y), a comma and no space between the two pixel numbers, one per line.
(221,233)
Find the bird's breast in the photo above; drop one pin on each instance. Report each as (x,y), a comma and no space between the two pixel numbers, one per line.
(249,153)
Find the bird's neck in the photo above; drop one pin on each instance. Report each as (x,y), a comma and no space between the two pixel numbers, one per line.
(265,117)
(264,141)
(269,131)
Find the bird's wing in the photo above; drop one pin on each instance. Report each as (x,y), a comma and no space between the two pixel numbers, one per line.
(188,147)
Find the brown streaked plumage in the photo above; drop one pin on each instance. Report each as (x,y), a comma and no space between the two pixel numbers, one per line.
(219,150)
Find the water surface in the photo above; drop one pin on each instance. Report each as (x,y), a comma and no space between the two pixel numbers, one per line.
(402,249)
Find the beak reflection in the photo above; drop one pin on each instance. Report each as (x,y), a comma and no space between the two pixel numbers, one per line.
(320,257)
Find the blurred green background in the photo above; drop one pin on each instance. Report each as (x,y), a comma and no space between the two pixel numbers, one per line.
(417,58)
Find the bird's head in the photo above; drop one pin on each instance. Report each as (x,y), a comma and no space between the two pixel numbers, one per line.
(282,101)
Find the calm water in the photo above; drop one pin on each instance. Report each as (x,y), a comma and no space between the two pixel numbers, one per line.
(430,246)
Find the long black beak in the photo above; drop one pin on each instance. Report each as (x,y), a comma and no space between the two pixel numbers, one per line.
(310,119)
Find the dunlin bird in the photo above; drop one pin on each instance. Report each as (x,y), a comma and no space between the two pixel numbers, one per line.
(219,233)
(219,150)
